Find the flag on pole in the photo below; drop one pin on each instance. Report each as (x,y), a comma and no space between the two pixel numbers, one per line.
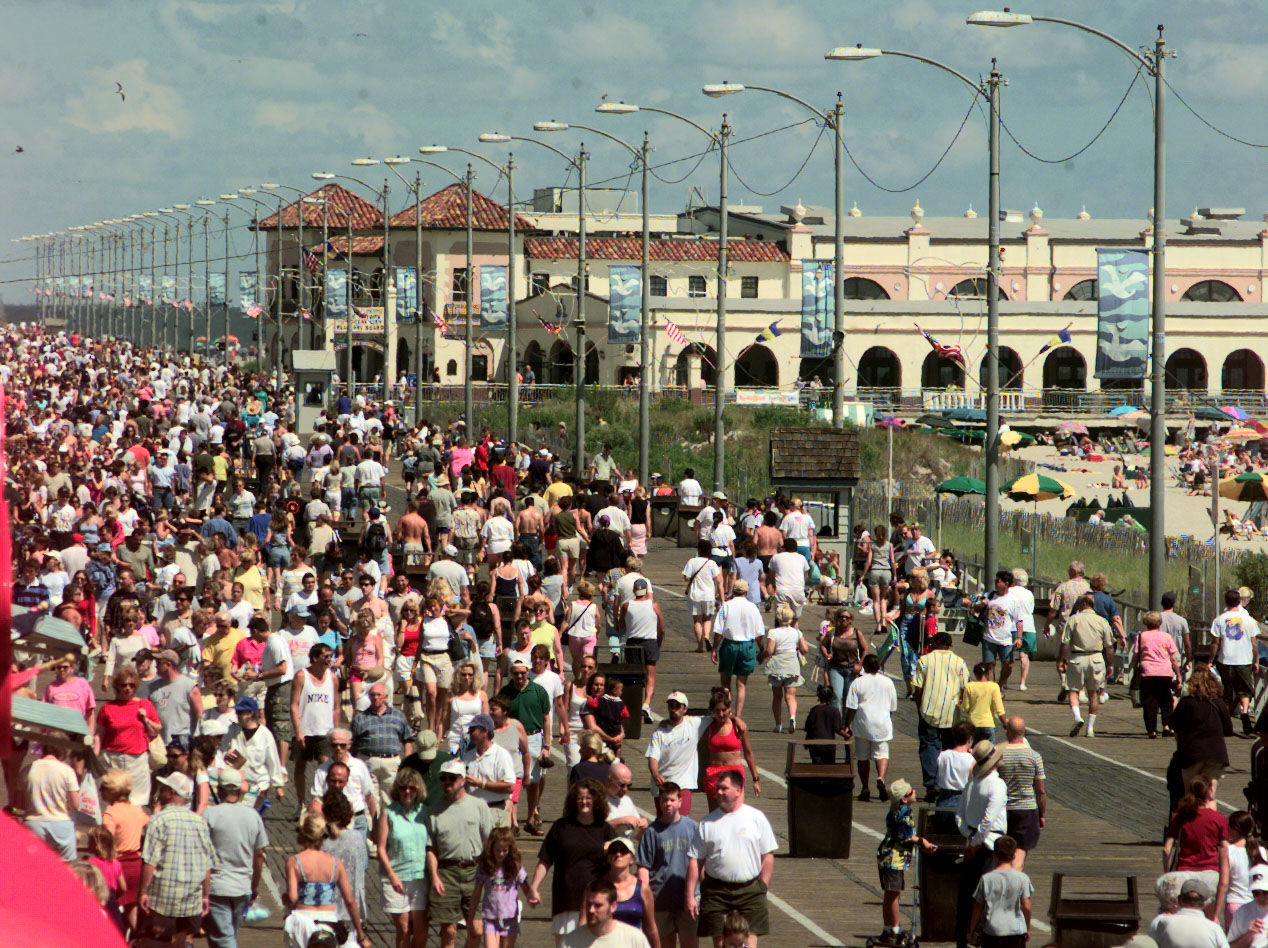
(305,314)
(553,328)
(769,333)
(127,301)
(675,334)
(312,262)
(1061,338)
(254,309)
(189,305)
(440,323)
(952,353)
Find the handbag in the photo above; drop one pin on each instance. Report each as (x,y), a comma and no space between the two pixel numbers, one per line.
(157,753)
(974,629)
(456,650)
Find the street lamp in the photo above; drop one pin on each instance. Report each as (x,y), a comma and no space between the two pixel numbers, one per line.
(990,88)
(833,120)
(720,139)
(1153,63)
(386,272)
(645,331)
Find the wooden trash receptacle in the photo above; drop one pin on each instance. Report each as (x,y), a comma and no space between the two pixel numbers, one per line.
(938,875)
(820,800)
(687,526)
(664,516)
(1093,910)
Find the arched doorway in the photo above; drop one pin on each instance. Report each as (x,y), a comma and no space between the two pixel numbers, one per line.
(1243,370)
(1065,368)
(824,367)
(1186,370)
(1083,291)
(757,367)
(1009,369)
(559,369)
(535,359)
(880,368)
(683,376)
(367,363)
(592,364)
(937,372)
(403,363)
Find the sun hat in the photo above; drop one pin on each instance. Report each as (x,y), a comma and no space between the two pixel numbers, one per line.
(178,783)
(987,757)
(898,789)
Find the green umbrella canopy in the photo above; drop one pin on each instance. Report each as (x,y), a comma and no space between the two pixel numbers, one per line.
(1036,487)
(959,486)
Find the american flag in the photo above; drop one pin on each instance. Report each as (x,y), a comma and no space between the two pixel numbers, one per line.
(675,334)
(312,262)
(553,328)
(953,353)
(440,323)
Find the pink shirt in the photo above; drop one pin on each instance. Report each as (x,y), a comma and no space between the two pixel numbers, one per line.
(76,693)
(248,652)
(461,459)
(1157,654)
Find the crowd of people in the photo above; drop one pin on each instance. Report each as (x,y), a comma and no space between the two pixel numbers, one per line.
(388,634)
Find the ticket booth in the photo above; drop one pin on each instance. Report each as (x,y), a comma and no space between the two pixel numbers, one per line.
(314,385)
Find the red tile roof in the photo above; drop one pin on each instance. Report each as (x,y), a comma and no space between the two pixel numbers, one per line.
(360,245)
(674,249)
(447,210)
(340,201)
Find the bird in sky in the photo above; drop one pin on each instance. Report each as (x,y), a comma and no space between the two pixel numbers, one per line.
(118,88)
(19,150)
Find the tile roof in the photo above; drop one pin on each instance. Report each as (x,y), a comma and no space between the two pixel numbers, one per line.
(447,210)
(702,249)
(341,202)
(361,245)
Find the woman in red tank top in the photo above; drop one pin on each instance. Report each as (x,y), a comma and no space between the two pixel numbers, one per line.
(729,748)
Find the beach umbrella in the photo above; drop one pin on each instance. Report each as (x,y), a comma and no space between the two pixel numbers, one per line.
(1249,486)
(1257,425)
(1242,434)
(1072,427)
(1135,417)
(1016,439)
(1037,487)
(1234,412)
(1123,410)
(959,486)
(1168,450)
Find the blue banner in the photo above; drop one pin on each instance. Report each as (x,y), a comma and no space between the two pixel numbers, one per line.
(816,309)
(248,289)
(406,293)
(493,298)
(145,288)
(1122,314)
(72,286)
(336,295)
(625,295)
(216,286)
(168,283)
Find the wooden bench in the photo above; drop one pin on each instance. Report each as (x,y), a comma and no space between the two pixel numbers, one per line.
(1086,913)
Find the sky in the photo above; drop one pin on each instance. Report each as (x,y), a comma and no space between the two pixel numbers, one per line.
(222,94)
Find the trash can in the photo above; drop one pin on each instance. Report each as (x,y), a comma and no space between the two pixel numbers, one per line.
(1086,913)
(664,516)
(939,877)
(687,526)
(820,802)
(635,679)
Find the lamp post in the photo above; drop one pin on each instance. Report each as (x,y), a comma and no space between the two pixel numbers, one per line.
(719,139)
(831,119)
(644,398)
(299,263)
(189,270)
(508,169)
(990,88)
(1153,63)
(386,276)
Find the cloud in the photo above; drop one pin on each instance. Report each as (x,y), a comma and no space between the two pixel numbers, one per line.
(149,105)
(370,127)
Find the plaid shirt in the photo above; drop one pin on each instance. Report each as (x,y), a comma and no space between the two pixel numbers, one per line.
(379,735)
(178,846)
(940,676)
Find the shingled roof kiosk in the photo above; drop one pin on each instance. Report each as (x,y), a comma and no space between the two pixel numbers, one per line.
(819,461)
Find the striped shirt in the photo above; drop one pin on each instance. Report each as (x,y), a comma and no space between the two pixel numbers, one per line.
(940,676)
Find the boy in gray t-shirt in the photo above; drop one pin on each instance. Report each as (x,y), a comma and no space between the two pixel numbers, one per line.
(1002,901)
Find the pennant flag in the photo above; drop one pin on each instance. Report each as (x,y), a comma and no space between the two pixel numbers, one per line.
(189,305)
(769,333)
(675,334)
(127,301)
(553,328)
(305,314)
(253,309)
(440,323)
(952,353)
(1061,338)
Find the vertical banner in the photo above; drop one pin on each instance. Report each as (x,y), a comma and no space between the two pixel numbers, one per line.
(248,289)
(336,294)
(73,285)
(145,288)
(406,293)
(216,286)
(816,309)
(168,283)
(493,314)
(86,287)
(1122,314)
(625,296)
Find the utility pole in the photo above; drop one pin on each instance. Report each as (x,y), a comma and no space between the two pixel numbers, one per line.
(991,547)
(579,456)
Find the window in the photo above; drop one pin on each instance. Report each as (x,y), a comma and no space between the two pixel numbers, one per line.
(657,286)
(974,289)
(748,287)
(696,287)
(479,368)
(573,283)
(1211,291)
(861,288)
(451,367)
(538,283)
(458,292)
(1084,290)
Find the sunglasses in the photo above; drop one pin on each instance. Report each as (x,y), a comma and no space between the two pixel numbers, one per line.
(340,745)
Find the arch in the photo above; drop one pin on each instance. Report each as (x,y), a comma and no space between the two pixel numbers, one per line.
(1009,369)
(535,359)
(861,288)
(367,362)
(559,368)
(403,364)
(1242,369)
(592,364)
(1084,290)
(1186,369)
(880,368)
(1211,291)
(451,367)
(973,288)
(823,368)
(937,372)
(757,367)
(1065,368)
(683,376)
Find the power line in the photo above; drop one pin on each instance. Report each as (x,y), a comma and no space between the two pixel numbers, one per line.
(924,177)
(814,145)
(1215,128)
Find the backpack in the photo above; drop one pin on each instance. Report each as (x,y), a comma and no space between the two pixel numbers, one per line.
(409,465)
(374,541)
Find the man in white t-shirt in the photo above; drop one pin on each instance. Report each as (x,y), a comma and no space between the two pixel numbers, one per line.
(1005,625)
(869,707)
(690,493)
(786,576)
(704,588)
(800,526)
(497,534)
(601,929)
(1234,654)
(1243,932)
(672,750)
(736,630)
(452,572)
(919,550)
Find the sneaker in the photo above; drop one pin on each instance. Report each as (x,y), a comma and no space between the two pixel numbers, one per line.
(1103,697)
(647,715)
(1090,732)
(779,729)
(882,793)
(792,725)
(1078,726)
(865,795)
(1082,698)
(1023,687)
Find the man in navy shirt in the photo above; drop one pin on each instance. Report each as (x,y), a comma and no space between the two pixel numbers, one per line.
(662,864)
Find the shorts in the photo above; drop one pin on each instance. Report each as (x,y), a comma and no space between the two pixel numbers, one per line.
(279,556)
(994,652)
(1237,681)
(570,548)
(402,667)
(711,774)
(435,669)
(488,648)
(58,835)
(1086,673)
(535,756)
(870,750)
(892,880)
(785,681)
(565,923)
(502,927)
(737,658)
(1029,642)
(649,647)
(467,547)
(317,747)
(880,577)
(718,898)
(586,644)
(413,899)
(1023,826)
(164,927)
(725,560)
(277,712)
(703,610)
(455,904)
(671,921)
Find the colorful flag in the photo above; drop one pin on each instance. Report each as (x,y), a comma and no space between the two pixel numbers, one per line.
(312,262)
(675,334)
(553,328)
(440,323)
(254,309)
(189,305)
(127,301)
(1061,338)
(952,353)
(769,333)
(305,314)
